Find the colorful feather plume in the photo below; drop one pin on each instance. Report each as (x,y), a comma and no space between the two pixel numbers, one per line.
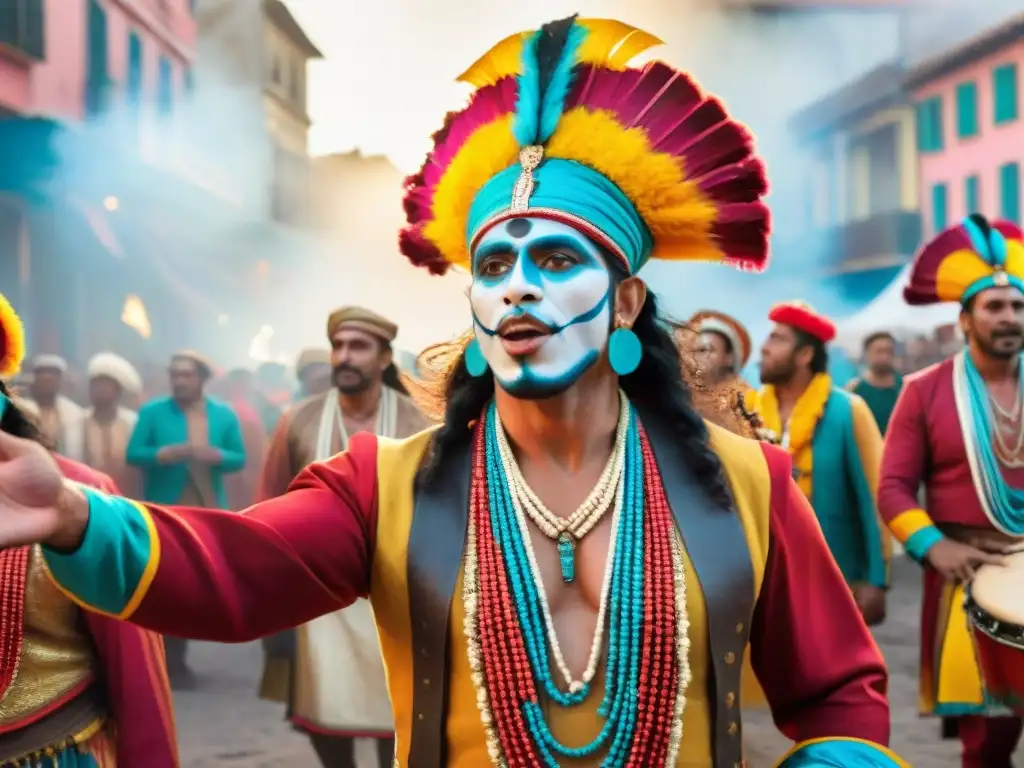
(961,255)
(688,168)
(12,340)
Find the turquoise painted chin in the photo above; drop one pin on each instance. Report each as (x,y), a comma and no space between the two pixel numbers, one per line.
(529,385)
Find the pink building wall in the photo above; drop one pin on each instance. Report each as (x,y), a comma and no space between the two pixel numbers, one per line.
(56,87)
(982,154)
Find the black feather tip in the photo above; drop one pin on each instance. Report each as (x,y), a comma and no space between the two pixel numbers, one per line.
(550,44)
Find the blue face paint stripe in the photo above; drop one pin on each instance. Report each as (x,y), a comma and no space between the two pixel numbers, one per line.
(586,317)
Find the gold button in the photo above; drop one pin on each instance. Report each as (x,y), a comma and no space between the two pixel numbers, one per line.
(730,699)
(730,658)
(733,729)
(739,628)
(426,681)
(419,716)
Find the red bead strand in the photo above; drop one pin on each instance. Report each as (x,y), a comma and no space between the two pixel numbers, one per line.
(14,565)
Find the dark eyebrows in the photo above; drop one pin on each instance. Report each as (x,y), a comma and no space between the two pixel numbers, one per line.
(554,242)
(492,249)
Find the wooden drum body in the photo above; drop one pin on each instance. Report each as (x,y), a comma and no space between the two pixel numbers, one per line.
(995,613)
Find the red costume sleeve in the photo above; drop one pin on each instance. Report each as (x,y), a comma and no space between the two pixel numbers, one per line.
(819,667)
(227,577)
(904,463)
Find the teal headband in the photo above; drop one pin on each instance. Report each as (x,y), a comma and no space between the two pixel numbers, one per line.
(993,250)
(574,194)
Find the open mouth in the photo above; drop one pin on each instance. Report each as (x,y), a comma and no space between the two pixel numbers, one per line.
(522,336)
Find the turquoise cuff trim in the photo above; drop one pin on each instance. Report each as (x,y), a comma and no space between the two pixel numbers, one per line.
(921,541)
(840,753)
(574,189)
(105,571)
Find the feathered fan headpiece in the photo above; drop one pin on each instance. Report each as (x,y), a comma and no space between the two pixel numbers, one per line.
(12,340)
(960,262)
(641,160)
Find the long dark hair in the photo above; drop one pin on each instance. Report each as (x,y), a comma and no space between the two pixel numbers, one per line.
(657,384)
(18,423)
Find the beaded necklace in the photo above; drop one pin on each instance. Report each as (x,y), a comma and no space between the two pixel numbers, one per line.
(507,629)
(568,531)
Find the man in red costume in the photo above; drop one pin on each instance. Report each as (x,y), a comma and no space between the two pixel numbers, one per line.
(568,570)
(957,429)
(90,693)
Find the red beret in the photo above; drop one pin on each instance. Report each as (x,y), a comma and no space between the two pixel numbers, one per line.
(800,315)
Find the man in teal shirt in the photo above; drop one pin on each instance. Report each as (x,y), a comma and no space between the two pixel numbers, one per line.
(880,384)
(184,444)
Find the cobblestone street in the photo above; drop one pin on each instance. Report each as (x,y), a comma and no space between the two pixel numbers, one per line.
(224,725)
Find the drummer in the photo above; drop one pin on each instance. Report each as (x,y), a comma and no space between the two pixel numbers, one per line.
(958,429)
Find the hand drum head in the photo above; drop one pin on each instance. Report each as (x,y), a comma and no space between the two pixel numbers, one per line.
(995,612)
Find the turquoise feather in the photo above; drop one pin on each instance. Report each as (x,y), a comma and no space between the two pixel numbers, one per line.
(557,92)
(548,59)
(527,121)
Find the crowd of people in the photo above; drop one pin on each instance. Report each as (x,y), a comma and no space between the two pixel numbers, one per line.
(576,535)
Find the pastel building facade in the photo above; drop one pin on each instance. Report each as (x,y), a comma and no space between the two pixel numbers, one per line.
(969,117)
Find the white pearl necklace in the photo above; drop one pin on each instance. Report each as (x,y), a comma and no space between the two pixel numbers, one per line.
(589,513)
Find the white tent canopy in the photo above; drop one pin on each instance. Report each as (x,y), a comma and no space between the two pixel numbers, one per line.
(889,312)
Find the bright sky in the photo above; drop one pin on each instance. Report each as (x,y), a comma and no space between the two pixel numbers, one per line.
(388,78)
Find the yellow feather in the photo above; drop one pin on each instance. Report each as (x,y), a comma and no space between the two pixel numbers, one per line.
(609,43)
(12,340)
(956,273)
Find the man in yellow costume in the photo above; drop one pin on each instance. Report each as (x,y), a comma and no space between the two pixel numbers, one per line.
(835,445)
(568,570)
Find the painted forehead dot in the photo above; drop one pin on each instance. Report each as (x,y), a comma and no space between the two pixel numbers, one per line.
(519,227)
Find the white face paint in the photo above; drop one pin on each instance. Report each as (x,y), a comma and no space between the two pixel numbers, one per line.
(556,275)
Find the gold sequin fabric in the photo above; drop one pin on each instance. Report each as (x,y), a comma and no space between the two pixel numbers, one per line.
(57,655)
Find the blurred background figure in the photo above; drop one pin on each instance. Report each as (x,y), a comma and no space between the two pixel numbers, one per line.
(314,372)
(61,419)
(109,423)
(880,383)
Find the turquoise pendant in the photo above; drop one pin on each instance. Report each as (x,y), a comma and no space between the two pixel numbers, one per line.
(567,556)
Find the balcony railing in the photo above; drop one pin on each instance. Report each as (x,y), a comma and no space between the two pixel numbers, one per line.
(882,239)
(22,27)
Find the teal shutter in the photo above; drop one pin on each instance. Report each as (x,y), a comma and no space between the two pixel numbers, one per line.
(967,110)
(940,207)
(165,87)
(96,77)
(929,125)
(1004,90)
(971,194)
(1009,192)
(133,84)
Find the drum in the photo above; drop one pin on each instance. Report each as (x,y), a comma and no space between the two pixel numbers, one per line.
(995,613)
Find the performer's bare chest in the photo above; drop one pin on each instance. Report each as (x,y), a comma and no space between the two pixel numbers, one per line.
(574,606)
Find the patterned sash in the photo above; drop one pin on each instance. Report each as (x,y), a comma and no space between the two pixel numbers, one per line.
(13,577)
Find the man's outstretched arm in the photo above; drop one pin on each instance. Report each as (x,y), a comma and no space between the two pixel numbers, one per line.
(223,576)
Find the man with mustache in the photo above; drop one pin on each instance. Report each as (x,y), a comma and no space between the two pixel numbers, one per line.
(958,429)
(566,571)
(835,445)
(366,396)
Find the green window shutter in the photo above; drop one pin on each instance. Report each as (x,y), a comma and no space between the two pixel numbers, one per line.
(929,125)
(972,203)
(165,87)
(1009,192)
(1004,90)
(135,68)
(940,207)
(967,110)
(97,78)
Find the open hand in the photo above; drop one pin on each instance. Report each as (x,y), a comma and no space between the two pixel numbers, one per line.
(34,501)
(957,561)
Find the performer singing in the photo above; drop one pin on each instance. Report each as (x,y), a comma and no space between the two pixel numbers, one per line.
(835,445)
(957,428)
(87,694)
(567,570)
(367,396)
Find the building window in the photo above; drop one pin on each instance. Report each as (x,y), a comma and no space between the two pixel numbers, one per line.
(972,204)
(1004,90)
(929,125)
(165,88)
(22,27)
(940,207)
(133,83)
(97,79)
(1009,192)
(967,110)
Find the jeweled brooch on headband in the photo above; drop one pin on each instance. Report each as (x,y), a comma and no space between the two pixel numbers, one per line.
(529,159)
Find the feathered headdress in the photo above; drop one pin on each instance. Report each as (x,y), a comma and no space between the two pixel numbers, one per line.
(961,261)
(803,317)
(12,340)
(641,160)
